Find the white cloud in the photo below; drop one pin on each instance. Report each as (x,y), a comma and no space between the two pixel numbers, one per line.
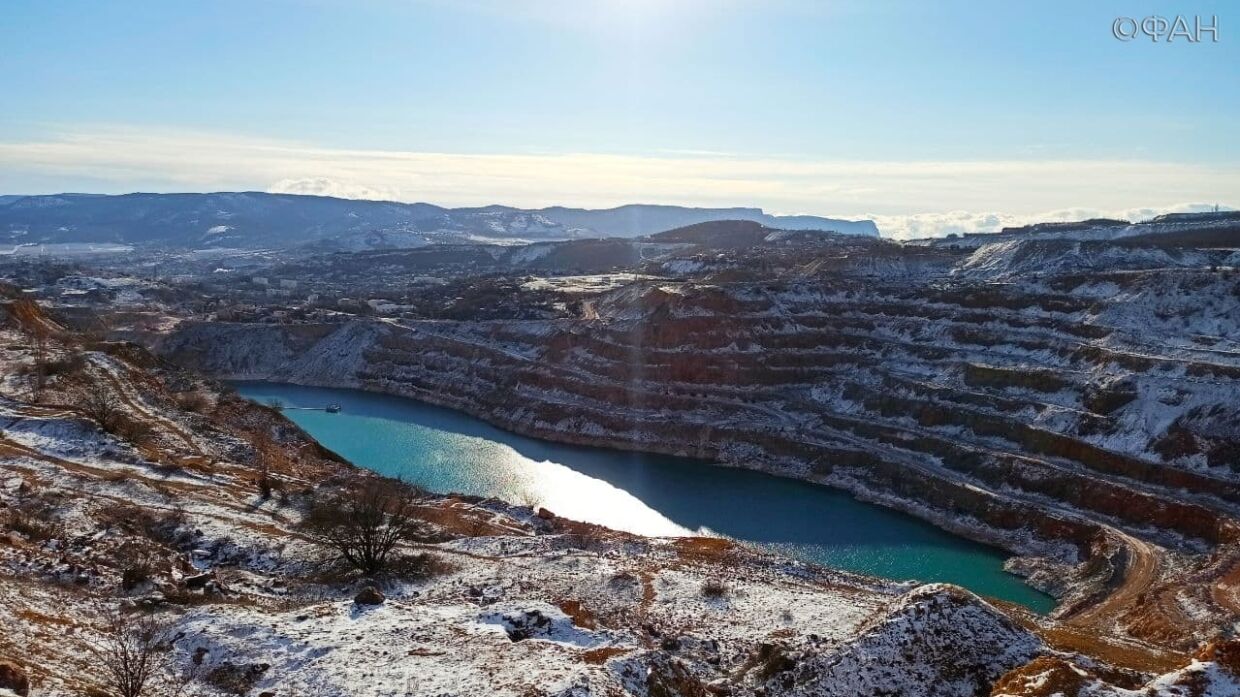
(905,227)
(322,186)
(907,199)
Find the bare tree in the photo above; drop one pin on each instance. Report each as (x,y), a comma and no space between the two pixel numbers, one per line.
(39,337)
(30,317)
(363,528)
(269,456)
(96,399)
(133,652)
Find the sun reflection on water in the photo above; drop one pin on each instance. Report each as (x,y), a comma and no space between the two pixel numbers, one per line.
(446,451)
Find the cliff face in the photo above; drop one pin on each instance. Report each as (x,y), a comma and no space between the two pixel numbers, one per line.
(1035,416)
(1079,420)
(194,518)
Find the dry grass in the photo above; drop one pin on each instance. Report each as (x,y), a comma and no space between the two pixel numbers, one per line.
(705,550)
(601,655)
(1043,677)
(35,517)
(581,616)
(1123,655)
(457,521)
(38,618)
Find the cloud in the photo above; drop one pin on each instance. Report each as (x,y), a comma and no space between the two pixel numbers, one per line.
(906,227)
(322,186)
(906,198)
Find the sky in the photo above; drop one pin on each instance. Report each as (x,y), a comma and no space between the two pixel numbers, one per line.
(929,117)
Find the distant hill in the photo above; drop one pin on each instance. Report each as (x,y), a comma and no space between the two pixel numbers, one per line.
(638,220)
(1211,229)
(722,233)
(261,220)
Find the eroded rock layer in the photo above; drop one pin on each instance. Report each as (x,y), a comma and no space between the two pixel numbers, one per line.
(1086,421)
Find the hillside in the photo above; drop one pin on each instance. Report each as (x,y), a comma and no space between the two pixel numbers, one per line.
(281,221)
(1068,400)
(1214,229)
(194,517)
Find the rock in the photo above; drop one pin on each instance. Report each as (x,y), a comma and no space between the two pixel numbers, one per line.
(14,679)
(914,638)
(522,625)
(151,600)
(199,581)
(545,514)
(369,596)
(1225,653)
(236,678)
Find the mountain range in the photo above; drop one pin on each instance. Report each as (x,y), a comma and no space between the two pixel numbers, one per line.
(262,220)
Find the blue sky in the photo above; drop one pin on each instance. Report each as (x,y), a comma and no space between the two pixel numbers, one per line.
(832,107)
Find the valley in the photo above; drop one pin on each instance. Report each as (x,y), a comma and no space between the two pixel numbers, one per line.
(1061,401)
(1083,421)
(619,348)
(447,452)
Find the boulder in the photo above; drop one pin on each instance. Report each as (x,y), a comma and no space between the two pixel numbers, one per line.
(369,596)
(14,679)
(199,581)
(1226,653)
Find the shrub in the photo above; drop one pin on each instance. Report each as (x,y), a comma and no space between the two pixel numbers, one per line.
(714,588)
(623,580)
(236,678)
(72,364)
(163,527)
(133,431)
(98,402)
(773,659)
(269,456)
(36,521)
(363,528)
(420,566)
(195,401)
(132,652)
(670,678)
(135,575)
(266,485)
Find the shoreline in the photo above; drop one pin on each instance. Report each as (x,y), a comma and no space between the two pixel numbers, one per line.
(966,530)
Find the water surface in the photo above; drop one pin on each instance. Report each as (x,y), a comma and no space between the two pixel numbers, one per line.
(447,451)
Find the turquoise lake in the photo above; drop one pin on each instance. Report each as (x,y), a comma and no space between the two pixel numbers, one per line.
(447,451)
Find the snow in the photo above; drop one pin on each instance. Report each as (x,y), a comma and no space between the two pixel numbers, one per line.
(1020,258)
(596,283)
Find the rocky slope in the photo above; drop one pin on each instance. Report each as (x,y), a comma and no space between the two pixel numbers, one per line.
(1084,419)
(186,516)
(1219,228)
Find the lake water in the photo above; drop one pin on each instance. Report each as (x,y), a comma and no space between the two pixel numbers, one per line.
(447,451)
